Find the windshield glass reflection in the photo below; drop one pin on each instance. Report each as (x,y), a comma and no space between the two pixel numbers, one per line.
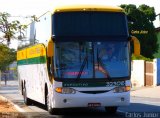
(91,60)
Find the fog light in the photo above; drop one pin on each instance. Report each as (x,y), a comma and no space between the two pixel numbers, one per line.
(122,99)
(65,100)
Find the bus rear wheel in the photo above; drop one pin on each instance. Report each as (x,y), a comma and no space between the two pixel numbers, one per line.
(27,101)
(111,110)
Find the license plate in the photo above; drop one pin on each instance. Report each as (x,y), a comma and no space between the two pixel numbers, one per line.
(94,104)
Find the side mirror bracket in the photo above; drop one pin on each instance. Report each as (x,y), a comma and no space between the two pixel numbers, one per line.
(50,48)
(136,45)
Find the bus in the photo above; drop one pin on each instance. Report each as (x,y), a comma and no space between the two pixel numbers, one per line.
(79,56)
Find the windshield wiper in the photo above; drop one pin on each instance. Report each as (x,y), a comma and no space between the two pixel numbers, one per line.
(82,66)
(99,60)
(100,63)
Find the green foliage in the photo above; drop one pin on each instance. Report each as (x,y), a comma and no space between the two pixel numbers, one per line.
(144,17)
(140,57)
(9,28)
(7,56)
(8,31)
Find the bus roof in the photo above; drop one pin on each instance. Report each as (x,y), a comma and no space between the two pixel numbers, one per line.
(87,8)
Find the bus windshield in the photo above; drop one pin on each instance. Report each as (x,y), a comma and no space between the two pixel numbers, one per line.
(90,60)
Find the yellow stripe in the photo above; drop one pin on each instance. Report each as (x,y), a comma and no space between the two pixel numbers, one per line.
(87,8)
(31,52)
(21,54)
(36,51)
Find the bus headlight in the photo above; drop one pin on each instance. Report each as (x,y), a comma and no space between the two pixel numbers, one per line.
(65,90)
(121,89)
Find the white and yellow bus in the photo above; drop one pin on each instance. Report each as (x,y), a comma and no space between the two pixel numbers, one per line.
(81,58)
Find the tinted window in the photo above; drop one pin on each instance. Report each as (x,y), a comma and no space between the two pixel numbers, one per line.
(89,24)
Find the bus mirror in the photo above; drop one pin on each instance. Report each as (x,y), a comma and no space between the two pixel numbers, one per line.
(136,45)
(50,48)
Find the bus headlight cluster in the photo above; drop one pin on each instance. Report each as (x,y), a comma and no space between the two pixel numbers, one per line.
(65,90)
(121,89)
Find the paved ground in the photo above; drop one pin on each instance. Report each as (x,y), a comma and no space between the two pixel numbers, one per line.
(9,83)
(144,99)
(10,91)
(149,92)
(8,109)
(5,104)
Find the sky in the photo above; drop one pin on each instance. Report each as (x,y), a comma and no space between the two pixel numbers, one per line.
(28,8)
(38,7)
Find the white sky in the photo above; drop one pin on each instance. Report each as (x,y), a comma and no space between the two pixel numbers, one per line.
(38,7)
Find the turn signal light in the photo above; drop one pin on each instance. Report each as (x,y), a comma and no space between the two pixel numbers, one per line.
(65,90)
(59,90)
(127,88)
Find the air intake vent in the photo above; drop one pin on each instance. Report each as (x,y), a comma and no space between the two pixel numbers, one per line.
(94,92)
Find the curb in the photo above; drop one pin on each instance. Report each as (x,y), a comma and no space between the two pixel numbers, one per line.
(16,106)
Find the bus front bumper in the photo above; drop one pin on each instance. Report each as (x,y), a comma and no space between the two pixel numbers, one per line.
(85,100)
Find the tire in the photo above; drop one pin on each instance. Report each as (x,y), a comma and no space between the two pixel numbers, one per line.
(27,101)
(48,106)
(111,110)
(47,102)
(21,88)
(50,110)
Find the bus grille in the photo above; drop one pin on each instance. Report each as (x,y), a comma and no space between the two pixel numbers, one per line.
(94,92)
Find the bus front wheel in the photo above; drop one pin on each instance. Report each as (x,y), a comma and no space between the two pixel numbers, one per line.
(47,101)
(48,105)
(51,110)
(111,110)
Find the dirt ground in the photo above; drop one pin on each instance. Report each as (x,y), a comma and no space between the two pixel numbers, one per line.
(6,106)
(7,110)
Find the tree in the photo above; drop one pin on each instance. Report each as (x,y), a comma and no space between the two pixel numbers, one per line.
(143,27)
(7,56)
(9,28)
